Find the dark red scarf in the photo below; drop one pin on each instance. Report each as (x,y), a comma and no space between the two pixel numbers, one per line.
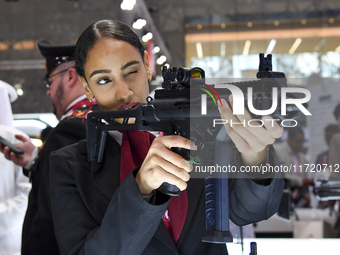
(134,148)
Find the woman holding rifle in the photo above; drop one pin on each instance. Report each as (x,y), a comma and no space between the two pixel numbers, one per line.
(114,207)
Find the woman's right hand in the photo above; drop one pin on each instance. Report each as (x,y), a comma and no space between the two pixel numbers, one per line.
(161,164)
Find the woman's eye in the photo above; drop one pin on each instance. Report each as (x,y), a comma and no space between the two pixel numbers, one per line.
(132,72)
(104,81)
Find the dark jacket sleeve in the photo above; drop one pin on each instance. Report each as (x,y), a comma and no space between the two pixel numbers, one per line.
(128,224)
(38,233)
(252,202)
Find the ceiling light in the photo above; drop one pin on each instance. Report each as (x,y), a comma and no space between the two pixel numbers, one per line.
(223,25)
(127,5)
(295,45)
(263,34)
(322,42)
(161,60)
(331,20)
(156,49)
(246,48)
(199,26)
(3,46)
(249,24)
(199,50)
(139,24)
(276,23)
(303,22)
(271,46)
(147,37)
(25,45)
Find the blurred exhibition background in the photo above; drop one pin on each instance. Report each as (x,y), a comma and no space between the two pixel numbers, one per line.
(224,37)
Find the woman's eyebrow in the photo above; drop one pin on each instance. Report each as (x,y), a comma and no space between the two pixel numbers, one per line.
(133,62)
(99,72)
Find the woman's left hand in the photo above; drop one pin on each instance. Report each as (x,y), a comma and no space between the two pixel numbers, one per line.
(251,140)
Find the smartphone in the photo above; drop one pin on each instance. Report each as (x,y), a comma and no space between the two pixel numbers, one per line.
(11,146)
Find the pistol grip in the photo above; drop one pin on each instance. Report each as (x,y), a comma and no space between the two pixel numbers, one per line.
(167,188)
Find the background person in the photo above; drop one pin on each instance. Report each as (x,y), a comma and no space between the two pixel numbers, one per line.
(71,107)
(290,153)
(324,161)
(14,186)
(334,160)
(334,151)
(330,130)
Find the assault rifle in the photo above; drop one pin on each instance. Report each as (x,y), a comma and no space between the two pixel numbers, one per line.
(177,110)
(326,190)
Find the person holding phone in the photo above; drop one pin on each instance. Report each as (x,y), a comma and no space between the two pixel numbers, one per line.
(70,106)
(14,186)
(114,207)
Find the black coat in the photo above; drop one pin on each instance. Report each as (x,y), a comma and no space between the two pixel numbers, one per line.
(94,214)
(38,232)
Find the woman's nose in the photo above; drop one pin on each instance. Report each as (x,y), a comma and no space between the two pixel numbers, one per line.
(123,92)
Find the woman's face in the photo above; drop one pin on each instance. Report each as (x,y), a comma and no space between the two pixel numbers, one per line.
(116,74)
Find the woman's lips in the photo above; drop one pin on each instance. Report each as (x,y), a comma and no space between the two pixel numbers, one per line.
(128,106)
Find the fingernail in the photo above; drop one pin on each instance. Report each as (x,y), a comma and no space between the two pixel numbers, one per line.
(192,145)
(224,104)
